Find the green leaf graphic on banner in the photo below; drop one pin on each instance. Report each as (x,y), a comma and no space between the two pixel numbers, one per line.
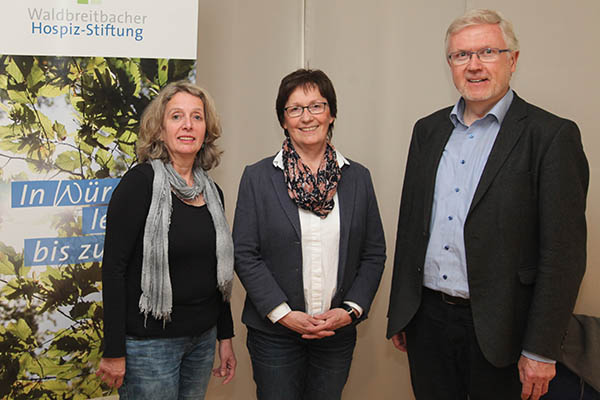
(46,124)
(22,330)
(105,141)
(14,72)
(56,386)
(35,79)
(18,96)
(163,71)
(6,268)
(52,91)
(6,132)
(68,160)
(60,130)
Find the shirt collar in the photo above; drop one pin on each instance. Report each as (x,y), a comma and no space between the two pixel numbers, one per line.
(498,111)
(278,160)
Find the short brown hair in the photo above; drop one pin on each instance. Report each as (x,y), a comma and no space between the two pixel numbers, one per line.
(149,144)
(306,78)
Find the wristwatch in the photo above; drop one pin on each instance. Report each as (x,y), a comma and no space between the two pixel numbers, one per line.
(350,311)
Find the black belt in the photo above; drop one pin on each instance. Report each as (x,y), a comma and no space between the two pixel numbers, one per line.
(446,298)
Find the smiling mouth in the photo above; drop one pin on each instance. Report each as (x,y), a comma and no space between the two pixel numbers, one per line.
(308,129)
(186,138)
(476,80)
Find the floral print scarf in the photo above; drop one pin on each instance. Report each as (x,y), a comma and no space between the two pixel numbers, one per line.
(309,191)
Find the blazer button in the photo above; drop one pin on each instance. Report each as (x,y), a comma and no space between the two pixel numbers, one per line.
(418,269)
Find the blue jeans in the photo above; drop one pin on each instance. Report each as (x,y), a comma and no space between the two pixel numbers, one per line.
(291,368)
(168,368)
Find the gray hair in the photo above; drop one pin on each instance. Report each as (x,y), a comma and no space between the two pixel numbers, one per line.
(483,16)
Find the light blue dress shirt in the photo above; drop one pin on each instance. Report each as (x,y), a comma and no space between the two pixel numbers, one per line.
(458,174)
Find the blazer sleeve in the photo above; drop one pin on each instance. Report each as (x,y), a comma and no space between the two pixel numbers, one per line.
(563,184)
(410,241)
(261,287)
(372,252)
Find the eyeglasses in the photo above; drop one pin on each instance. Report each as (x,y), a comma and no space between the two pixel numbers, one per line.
(314,108)
(486,55)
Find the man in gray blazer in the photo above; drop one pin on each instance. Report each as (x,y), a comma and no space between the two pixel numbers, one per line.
(491,241)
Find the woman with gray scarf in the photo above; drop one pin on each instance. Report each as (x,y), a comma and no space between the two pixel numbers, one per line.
(168,257)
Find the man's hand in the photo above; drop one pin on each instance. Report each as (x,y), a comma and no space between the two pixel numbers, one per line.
(226,369)
(112,371)
(309,327)
(535,377)
(399,341)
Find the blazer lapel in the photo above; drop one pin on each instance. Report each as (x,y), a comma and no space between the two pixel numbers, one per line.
(286,202)
(509,133)
(432,155)
(346,193)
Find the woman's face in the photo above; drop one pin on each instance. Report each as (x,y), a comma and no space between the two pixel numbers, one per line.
(184,126)
(307,130)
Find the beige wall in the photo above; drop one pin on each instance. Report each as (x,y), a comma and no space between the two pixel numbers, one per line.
(385,59)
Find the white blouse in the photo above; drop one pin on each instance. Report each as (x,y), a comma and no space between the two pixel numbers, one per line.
(320,256)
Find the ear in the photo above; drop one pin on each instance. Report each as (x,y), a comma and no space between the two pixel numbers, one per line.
(448,61)
(514,58)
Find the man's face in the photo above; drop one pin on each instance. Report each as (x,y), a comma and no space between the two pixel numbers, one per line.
(481,84)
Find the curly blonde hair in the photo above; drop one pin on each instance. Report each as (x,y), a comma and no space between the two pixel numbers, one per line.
(150,146)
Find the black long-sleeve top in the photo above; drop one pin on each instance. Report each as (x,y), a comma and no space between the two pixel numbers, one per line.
(197,303)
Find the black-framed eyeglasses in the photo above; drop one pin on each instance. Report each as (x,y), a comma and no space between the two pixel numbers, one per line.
(314,108)
(487,55)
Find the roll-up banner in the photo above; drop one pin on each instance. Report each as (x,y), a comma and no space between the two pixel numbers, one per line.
(75,76)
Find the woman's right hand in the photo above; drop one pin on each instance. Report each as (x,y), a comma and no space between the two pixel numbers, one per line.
(304,324)
(112,371)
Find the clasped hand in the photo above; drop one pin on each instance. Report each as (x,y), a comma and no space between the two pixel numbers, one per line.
(316,326)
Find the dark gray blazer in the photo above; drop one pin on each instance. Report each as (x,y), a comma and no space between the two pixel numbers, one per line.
(525,232)
(268,252)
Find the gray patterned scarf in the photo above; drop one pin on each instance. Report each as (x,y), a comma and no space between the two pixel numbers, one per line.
(157,296)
